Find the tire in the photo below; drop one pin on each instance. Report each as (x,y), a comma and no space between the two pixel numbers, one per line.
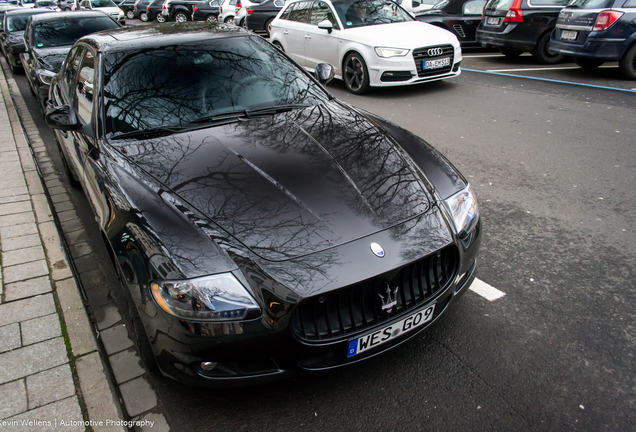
(541,54)
(160,18)
(211,18)
(142,341)
(279,46)
(588,63)
(180,17)
(268,27)
(143,16)
(130,14)
(355,74)
(510,53)
(627,64)
(243,23)
(229,19)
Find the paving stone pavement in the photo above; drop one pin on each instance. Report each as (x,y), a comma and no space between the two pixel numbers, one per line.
(52,369)
(51,375)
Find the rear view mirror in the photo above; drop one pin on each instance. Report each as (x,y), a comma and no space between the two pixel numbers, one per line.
(326,25)
(324,72)
(62,117)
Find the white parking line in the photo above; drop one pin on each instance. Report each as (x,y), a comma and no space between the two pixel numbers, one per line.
(535,69)
(483,289)
(489,55)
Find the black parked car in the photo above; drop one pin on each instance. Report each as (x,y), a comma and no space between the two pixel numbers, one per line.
(148,10)
(461,17)
(596,31)
(128,7)
(179,10)
(13,24)
(48,38)
(206,11)
(516,26)
(259,225)
(260,16)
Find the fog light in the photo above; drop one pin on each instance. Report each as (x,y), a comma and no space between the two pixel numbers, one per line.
(208,366)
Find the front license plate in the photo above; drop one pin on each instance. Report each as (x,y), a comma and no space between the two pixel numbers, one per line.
(569,35)
(493,21)
(436,64)
(379,337)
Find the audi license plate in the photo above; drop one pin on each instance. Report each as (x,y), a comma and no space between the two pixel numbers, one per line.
(569,35)
(382,336)
(436,64)
(493,21)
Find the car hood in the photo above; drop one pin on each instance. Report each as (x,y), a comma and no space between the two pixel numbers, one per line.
(412,34)
(52,58)
(290,184)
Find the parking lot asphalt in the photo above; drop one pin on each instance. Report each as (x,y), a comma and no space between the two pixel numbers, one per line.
(553,167)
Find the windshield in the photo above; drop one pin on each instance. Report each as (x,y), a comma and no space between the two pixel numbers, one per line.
(498,5)
(102,3)
(174,86)
(45,3)
(590,4)
(61,32)
(369,12)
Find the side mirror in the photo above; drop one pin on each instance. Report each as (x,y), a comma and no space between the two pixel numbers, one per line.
(326,25)
(324,72)
(62,117)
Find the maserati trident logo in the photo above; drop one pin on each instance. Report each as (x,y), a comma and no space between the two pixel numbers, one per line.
(433,52)
(390,300)
(377,250)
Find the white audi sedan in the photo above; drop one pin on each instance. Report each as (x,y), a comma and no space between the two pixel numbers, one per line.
(371,43)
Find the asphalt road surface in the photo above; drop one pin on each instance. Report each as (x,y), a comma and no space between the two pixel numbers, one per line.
(553,166)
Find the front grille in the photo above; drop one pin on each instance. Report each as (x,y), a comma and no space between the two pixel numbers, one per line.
(358,307)
(421,55)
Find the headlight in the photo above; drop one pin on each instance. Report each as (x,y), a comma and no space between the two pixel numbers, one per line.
(45,76)
(390,52)
(120,14)
(210,298)
(463,207)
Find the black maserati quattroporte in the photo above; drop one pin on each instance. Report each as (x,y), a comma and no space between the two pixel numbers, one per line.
(259,225)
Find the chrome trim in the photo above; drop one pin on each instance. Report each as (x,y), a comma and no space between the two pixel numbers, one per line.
(574,27)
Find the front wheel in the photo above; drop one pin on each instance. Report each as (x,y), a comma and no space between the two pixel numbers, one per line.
(279,46)
(627,65)
(228,19)
(130,14)
(541,53)
(356,74)
(143,17)
(180,17)
(161,18)
(588,63)
(211,18)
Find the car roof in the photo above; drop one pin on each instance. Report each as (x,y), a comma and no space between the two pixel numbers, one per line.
(25,11)
(158,35)
(54,16)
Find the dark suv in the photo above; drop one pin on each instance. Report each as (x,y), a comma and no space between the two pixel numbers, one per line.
(517,26)
(596,31)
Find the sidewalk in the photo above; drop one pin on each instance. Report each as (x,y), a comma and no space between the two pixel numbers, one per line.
(52,375)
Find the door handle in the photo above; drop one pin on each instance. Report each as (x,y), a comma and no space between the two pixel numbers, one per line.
(285,32)
(307,36)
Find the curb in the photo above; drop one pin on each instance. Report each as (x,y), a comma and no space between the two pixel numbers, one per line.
(98,398)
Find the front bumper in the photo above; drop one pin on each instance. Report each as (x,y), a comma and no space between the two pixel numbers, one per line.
(265,349)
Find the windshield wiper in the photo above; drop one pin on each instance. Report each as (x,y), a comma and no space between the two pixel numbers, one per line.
(249,113)
(160,130)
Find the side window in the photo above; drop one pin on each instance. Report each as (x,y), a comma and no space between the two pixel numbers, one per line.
(300,12)
(321,12)
(72,64)
(287,12)
(474,7)
(279,3)
(630,4)
(84,88)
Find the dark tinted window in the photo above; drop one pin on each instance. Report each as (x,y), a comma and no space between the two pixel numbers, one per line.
(60,32)
(285,14)
(369,12)
(321,12)
(17,22)
(174,86)
(84,88)
(72,65)
(590,4)
(499,5)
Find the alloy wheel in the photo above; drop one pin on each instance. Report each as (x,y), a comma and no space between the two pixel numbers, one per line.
(354,73)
